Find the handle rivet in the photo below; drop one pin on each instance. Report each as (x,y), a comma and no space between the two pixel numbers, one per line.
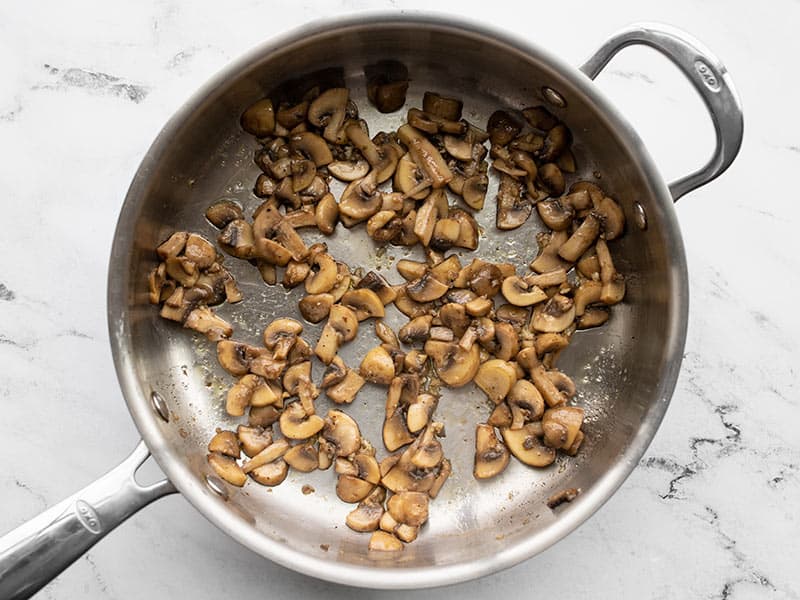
(215,484)
(553,97)
(160,406)
(639,216)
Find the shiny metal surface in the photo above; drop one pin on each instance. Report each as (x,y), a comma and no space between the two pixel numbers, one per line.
(708,76)
(625,371)
(37,551)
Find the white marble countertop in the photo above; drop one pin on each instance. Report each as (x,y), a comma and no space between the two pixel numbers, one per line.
(712,510)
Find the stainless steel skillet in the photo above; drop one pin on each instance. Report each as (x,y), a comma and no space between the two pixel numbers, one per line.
(626,371)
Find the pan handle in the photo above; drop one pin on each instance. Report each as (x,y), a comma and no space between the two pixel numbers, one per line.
(709,77)
(37,551)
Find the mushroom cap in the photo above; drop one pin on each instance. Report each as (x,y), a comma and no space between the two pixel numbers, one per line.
(455,366)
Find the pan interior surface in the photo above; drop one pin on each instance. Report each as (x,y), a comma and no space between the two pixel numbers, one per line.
(625,371)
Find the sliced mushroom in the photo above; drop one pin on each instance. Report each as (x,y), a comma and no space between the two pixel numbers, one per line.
(348,170)
(225,442)
(491,455)
(548,259)
(182,270)
(280,336)
(295,424)
(367,515)
(479,307)
(376,283)
(550,342)
(419,412)
(227,468)
(409,307)
(513,209)
(271,474)
(262,416)
(329,110)
(555,316)
(611,217)
(442,106)
(517,291)
(496,378)
(326,214)
(344,391)
(500,416)
(557,215)
(556,142)
(364,303)
(425,221)
(295,274)
(583,237)
(416,330)
(415,361)
(341,327)
(502,128)
(593,317)
(380,541)
(410,180)
(342,432)
(455,366)
(444,472)
(315,307)
(258,119)
(410,508)
(426,289)
(343,280)
(205,321)
(312,146)
(323,274)
(378,366)
(540,118)
(238,397)
(552,395)
(474,190)
(360,200)
(253,439)
(173,246)
(561,426)
(269,454)
(425,155)
(525,403)
(563,383)
(302,457)
(267,393)
(588,293)
(526,446)
(395,431)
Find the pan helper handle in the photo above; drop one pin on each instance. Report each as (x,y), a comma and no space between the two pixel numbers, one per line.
(708,76)
(37,551)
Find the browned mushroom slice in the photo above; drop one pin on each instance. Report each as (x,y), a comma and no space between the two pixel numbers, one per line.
(312,146)
(326,214)
(513,209)
(588,293)
(295,274)
(526,446)
(557,215)
(419,412)
(582,238)
(367,515)
(455,366)
(502,128)
(347,170)
(426,452)
(182,270)
(328,110)
(205,321)
(425,155)
(227,468)
(374,282)
(612,218)
(341,327)
(517,291)
(554,316)
(173,246)
(426,289)
(561,426)
(410,179)
(157,284)
(342,432)
(263,416)
(496,378)
(409,508)
(395,431)
(549,342)
(548,259)
(238,397)
(454,317)
(344,391)
(236,357)
(411,269)
(416,330)
(280,336)
(258,119)
(364,303)
(479,307)
(540,118)
(225,442)
(516,316)
(491,455)
(378,366)
(295,424)
(425,221)
(267,393)
(200,251)
(442,106)
(360,200)
(525,403)
(409,307)
(446,233)
(593,317)
(237,239)
(563,383)
(474,190)
(552,395)
(269,454)
(290,116)
(468,235)
(380,541)
(315,307)
(556,142)
(271,474)
(302,457)
(253,439)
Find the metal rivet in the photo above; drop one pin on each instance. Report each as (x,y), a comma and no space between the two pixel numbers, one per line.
(160,405)
(639,216)
(215,484)
(553,97)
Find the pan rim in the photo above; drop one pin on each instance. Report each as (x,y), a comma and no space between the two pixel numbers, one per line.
(214,509)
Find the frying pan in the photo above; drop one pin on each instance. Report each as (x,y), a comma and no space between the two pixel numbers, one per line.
(625,370)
